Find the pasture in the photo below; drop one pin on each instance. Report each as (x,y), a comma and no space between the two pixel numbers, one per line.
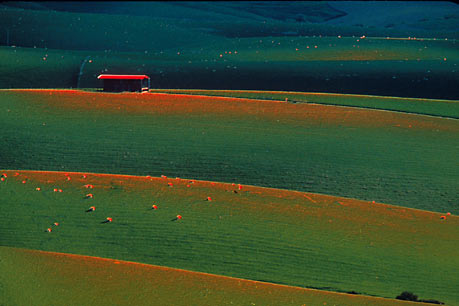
(421,68)
(289,154)
(389,157)
(271,235)
(431,107)
(81,280)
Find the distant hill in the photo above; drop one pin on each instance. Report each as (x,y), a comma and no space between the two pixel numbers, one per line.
(87,31)
(189,45)
(281,18)
(403,15)
(310,11)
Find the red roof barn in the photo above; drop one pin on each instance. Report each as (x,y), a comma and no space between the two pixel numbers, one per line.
(125,82)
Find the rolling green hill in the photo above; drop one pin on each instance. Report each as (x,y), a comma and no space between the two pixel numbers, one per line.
(279,236)
(394,158)
(280,18)
(349,109)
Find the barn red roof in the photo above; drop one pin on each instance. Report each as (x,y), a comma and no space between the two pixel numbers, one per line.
(122,77)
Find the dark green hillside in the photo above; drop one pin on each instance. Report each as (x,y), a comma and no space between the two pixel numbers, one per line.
(30,67)
(417,16)
(221,46)
(224,11)
(386,67)
(127,26)
(72,31)
(297,11)
(279,18)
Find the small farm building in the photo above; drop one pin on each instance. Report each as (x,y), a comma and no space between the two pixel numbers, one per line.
(125,82)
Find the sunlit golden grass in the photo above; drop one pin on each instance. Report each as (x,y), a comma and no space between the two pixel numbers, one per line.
(280,236)
(50,278)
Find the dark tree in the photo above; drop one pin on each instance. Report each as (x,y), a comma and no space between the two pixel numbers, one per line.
(432,302)
(407,296)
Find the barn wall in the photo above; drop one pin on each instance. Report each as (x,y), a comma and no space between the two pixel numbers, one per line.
(122,85)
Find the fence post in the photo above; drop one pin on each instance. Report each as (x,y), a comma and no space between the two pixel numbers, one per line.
(81,70)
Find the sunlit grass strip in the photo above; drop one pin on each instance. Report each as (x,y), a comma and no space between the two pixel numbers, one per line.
(390,157)
(432,107)
(48,278)
(279,236)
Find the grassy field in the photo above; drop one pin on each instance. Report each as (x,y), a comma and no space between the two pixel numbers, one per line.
(441,108)
(305,97)
(29,67)
(389,157)
(79,31)
(279,236)
(409,68)
(79,280)
(123,26)
(232,46)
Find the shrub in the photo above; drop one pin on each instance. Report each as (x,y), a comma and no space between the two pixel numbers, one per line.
(432,302)
(407,296)
(352,292)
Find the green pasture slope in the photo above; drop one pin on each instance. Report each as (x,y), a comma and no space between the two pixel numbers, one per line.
(30,67)
(432,107)
(283,237)
(315,242)
(79,280)
(397,165)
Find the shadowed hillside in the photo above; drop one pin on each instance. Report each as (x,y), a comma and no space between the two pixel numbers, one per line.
(281,18)
(294,46)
